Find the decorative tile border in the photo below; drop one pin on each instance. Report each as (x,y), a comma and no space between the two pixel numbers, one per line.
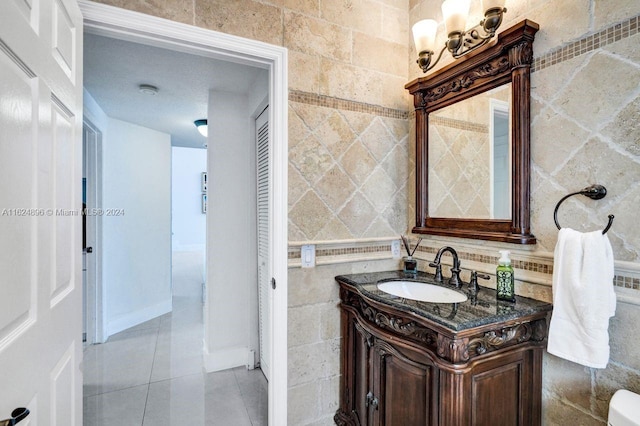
(609,35)
(294,253)
(459,124)
(354,250)
(542,268)
(626,282)
(326,255)
(345,104)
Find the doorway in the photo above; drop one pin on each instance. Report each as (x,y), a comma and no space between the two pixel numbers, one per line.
(154,31)
(500,160)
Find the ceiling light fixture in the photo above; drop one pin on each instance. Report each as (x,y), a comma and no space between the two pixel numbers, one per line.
(148,89)
(459,41)
(201,125)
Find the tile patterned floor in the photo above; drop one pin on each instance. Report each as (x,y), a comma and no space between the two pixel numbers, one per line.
(152,374)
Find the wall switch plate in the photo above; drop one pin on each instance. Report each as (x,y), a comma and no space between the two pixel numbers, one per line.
(308,255)
(395,249)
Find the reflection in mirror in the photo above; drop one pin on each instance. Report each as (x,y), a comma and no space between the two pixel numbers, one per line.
(500,160)
(469,157)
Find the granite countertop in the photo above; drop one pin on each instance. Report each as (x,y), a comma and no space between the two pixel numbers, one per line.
(474,312)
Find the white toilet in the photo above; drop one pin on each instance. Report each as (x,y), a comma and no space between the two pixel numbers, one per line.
(624,409)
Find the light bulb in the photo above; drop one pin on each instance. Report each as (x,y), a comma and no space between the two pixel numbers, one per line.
(424,35)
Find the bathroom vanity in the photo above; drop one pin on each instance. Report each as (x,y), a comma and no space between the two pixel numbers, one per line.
(406,362)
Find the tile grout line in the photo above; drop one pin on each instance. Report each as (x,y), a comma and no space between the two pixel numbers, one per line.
(153,361)
(244,397)
(244,403)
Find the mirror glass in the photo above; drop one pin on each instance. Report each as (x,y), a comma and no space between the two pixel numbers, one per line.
(470,157)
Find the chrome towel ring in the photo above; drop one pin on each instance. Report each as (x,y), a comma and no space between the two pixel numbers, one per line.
(595,192)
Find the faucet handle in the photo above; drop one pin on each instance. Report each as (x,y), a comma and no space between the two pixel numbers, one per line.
(473,282)
(438,274)
(455,276)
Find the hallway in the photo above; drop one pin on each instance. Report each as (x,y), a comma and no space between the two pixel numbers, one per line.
(152,374)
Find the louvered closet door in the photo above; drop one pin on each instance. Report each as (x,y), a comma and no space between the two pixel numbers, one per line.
(262,143)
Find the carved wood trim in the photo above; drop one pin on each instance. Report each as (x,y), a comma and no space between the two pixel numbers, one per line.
(508,336)
(397,324)
(343,419)
(492,68)
(453,350)
(368,336)
(383,349)
(521,55)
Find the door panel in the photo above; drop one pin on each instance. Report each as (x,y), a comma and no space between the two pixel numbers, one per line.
(64,39)
(19,88)
(62,127)
(40,145)
(493,394)
(63,388)
(25,7)
(404,388)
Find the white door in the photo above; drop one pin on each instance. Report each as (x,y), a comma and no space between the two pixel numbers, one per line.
(40,223)
(264,282)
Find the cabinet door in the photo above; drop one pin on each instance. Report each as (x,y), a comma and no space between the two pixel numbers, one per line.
(404,392)
(362,341)
(506,391)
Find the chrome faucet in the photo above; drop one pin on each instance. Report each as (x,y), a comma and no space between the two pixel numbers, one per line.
(455,270)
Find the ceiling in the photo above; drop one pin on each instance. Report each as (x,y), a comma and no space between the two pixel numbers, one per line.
(114,69)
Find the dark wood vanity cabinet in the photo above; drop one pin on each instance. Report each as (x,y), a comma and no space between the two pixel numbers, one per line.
(385,374)
(400,370)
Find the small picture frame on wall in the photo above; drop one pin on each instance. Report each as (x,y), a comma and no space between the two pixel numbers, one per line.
(204,203)
(204,182)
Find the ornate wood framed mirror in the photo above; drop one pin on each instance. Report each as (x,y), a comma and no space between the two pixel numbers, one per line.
(472,142)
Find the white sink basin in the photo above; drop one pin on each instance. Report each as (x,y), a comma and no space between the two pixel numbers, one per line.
(422,291)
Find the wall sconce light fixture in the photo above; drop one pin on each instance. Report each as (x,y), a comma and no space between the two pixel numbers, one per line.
(201,125)
(459,41)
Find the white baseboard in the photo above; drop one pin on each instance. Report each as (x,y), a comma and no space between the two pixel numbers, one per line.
(131,319)
(224,359)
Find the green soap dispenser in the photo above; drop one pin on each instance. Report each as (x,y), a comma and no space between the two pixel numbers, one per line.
(504,278)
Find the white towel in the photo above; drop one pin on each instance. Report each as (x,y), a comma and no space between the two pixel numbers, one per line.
(583,298)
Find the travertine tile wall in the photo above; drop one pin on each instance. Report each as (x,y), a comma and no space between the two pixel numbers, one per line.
(585,115)
(314,335)
(349,174)
(585,129)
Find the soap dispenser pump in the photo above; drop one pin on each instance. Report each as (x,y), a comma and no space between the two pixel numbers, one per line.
(504,278)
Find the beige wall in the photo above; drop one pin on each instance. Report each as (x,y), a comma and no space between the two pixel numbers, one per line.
(351,162)
(584,130)
(349,174)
